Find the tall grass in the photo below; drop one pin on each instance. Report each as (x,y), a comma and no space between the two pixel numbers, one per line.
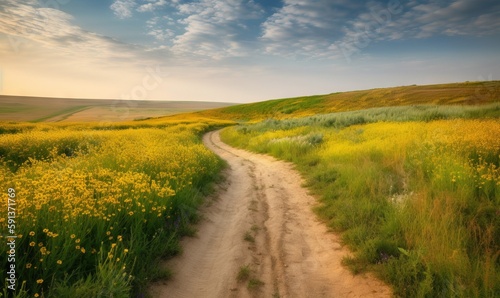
(418,201)
(396,114)
(96,209)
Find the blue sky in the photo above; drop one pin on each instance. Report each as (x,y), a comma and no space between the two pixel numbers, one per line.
(241,50)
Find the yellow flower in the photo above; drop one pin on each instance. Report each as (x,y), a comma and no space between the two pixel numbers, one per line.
(40,244)
(77,241)
(45,230)
(125,250)
(36,295)
(39,281)
(32,243)
(59,262)
(77,247)
(32,233)
(72,236)
(28,266)
(82,250)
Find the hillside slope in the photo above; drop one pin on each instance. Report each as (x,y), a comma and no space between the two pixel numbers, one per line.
(469,93)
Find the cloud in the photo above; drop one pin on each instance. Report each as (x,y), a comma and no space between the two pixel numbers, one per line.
(417,19)
(162,28)
(305,28)
(215,29)
(327,29)
(53,30)
(123,8)
(152,5)
(462,17)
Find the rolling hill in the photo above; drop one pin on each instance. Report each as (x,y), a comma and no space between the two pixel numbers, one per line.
(468,93)
(42,109)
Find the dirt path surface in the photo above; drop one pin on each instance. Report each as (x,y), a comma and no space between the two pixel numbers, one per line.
(286,247)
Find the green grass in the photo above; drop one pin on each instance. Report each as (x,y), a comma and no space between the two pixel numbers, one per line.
(62,113)
(248,237)
(254,283)
(255,228)
(397,114)
(14,109)
(244,273)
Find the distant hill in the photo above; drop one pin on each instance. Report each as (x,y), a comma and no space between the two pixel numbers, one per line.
(468,93)
(43,109)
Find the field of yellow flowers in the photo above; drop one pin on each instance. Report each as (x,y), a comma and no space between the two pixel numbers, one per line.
(417,201)
(95,208)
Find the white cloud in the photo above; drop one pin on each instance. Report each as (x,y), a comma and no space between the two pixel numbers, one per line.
(161,28)
(303,27)
(153,5)
(123,8)
(213,28)
(53,29)
(461,17)
(327,29)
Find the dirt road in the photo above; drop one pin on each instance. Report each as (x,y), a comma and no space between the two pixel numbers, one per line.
(262,218)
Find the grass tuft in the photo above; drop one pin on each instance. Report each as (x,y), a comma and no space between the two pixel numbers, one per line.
(244,273)
(248,237)
(254,284)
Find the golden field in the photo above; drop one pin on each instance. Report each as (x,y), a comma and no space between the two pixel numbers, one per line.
(95,208)
(418,202)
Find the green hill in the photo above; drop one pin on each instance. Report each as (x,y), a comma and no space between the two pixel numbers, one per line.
(468,93)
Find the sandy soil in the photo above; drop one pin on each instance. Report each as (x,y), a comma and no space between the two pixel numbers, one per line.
(293,253)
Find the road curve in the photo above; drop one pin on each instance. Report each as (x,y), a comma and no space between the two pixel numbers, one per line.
(293,254)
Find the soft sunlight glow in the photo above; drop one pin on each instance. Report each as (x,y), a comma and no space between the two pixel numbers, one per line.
(241,51)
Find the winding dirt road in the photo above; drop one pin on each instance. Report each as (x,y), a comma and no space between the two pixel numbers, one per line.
(286,247)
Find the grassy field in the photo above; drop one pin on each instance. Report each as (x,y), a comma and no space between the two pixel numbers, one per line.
(409,176)
(96,209)
(414,191)
(38,109)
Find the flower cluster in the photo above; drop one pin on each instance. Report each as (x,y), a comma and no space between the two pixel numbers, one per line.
(82,192)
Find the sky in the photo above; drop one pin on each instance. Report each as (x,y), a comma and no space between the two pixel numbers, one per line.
(241,50)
